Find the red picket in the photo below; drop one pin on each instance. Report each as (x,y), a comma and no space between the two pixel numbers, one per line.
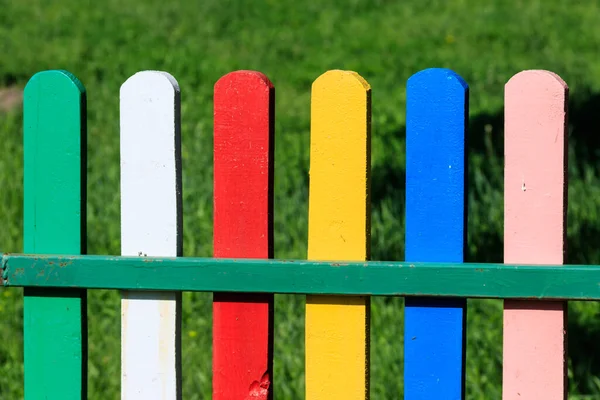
(244,103)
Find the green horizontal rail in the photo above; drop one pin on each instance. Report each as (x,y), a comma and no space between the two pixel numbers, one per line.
(377,278)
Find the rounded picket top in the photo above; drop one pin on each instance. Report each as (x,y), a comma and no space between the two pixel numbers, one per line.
(348,80)
(245,99)
(150,99)
(56,94)
(437,78)
(535,102)
(55,81)
(438,75)
(340,98)
(537,78)
(146,83)
(251,80)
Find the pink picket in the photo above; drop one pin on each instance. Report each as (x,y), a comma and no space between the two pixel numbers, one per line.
(535,184)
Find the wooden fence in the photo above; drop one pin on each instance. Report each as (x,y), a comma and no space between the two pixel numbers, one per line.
(338,278)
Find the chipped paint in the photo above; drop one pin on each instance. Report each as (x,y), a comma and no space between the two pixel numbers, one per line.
(259,390)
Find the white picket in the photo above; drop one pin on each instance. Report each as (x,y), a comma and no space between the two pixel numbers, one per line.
(151,225)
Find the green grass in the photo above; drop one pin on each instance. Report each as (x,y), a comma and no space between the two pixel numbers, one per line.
(293,42)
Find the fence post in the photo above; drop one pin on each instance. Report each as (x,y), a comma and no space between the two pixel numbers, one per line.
(535,205)
(436,135)
(244,111)
(54,323)
(337,327)
(151,225)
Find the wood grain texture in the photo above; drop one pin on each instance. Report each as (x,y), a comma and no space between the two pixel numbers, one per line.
(535,356)
(54,321)
(434,328)
(244,110)
(337,328)
(377,278)
(151,225)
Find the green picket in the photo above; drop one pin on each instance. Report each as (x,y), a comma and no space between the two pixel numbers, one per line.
(55,327)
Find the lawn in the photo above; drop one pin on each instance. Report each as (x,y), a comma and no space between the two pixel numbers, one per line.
(293,42)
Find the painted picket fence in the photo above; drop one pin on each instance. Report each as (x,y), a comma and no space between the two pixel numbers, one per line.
(337,278)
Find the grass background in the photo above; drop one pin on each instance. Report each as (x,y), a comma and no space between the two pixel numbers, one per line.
(293,42)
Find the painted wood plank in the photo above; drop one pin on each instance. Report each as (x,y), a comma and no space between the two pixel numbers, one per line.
(244,107)
(377,278)
(151,225)
(337,328)
(55,326)
(535,205)
(434,328)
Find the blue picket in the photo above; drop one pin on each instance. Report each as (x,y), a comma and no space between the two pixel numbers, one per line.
(434,332)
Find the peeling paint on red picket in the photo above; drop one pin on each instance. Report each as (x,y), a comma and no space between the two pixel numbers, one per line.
(244,104)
